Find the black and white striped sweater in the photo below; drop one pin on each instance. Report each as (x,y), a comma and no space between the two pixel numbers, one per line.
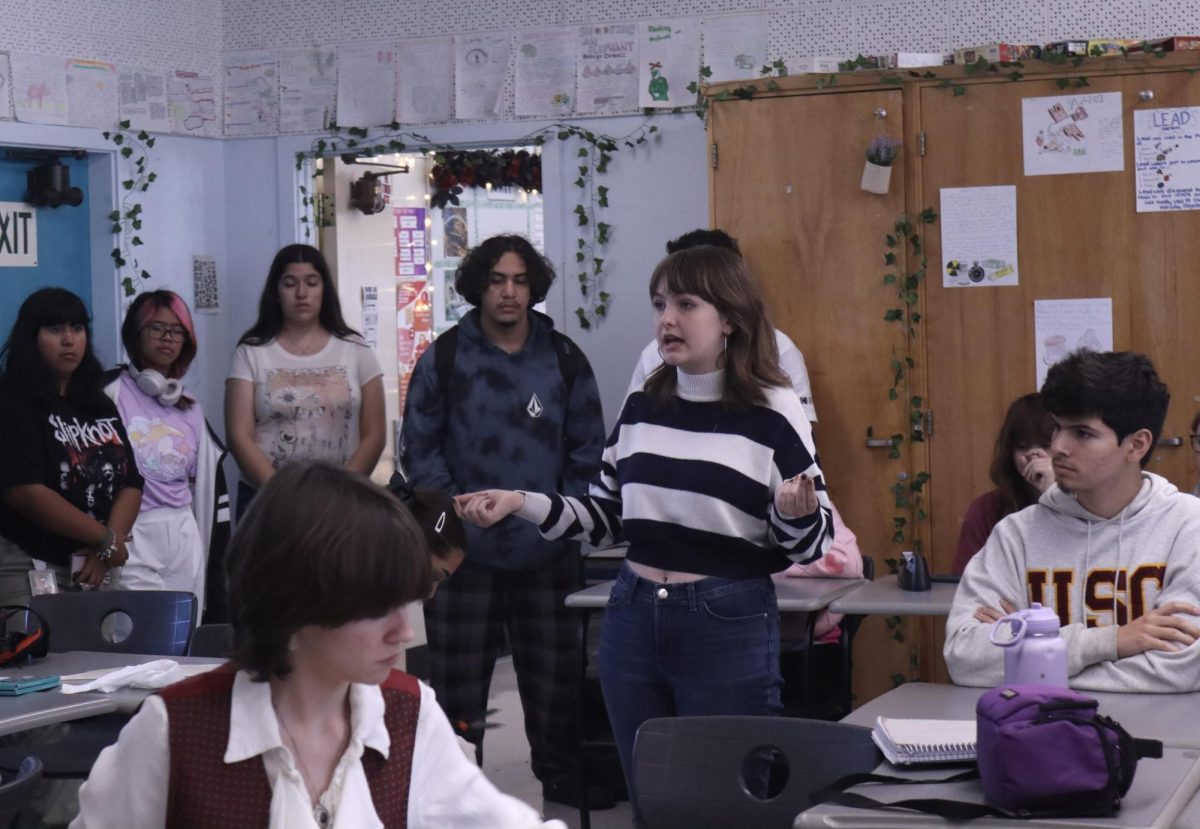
(690,486)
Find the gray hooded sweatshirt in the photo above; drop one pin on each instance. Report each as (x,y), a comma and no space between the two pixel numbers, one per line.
(1096,573)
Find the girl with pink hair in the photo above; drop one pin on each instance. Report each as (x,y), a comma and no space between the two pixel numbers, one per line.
(171,441)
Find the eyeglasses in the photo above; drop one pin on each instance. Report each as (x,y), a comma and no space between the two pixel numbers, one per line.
(1195,443)
(166,332)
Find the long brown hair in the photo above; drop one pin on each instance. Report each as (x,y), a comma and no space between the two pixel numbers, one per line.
(751,359)
(1026,423)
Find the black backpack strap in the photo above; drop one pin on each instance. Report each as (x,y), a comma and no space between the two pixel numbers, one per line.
(950,809)
(445,349)
(568,358)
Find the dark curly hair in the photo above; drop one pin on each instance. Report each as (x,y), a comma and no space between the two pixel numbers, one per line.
(471,278)
(1122,388)
(321,545)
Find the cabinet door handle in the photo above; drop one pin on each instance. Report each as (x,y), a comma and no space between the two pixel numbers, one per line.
(1169,442)
(879,443)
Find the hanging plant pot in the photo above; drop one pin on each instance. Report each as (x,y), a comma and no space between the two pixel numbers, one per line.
(876,178)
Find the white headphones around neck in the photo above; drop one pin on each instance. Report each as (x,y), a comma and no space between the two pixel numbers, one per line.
(152,383)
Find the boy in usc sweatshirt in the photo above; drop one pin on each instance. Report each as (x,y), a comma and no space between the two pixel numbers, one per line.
(1113,549)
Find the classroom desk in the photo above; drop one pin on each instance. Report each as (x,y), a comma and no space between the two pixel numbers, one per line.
(883,595)
(1162,790)
(1167,717)
(50,707)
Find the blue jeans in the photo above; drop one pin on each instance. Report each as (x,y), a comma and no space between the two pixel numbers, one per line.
(704,647)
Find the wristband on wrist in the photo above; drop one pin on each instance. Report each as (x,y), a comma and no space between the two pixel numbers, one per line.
(108,547)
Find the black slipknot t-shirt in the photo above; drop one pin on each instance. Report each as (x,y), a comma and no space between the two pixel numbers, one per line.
(83,455)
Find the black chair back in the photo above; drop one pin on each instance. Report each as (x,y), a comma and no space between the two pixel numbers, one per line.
(16,793)
(688,772)
(156,622)
(212,640)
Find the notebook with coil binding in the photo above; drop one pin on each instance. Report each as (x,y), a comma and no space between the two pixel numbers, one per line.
(908,741)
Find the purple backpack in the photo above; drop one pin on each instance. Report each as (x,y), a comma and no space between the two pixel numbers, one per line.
(1041,752)
(1044,751)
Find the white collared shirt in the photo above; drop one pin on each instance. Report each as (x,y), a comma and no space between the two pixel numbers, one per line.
(128,784)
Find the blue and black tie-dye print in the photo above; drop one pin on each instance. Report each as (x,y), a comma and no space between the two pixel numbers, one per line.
(507,422)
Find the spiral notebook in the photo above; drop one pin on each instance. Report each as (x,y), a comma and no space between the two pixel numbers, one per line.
(908,741)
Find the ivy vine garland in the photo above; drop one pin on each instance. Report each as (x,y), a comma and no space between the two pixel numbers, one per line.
(455,168)
(127,218)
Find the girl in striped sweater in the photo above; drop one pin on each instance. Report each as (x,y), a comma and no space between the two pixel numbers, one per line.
(712,477)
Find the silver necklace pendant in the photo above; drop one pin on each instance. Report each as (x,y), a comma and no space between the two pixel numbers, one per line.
(322,815)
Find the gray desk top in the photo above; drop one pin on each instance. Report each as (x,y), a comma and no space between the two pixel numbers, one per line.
(49,707)
(1167,717)
(884,596)
(793,595)
(1162,789)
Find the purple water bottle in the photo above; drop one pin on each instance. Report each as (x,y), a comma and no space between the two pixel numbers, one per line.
(1035,654)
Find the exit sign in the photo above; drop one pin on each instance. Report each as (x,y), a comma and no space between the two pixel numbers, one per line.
(18,235)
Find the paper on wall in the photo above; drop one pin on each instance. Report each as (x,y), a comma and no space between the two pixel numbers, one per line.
(142,97)
(251,93)
(979,236)
(366,84)
(424,80)
(735,48)
(307,89)
(544,82)
(39,88)
(480,67)
(205,291)
(606,78)
(1065,325)
(5,88)
(1073,134)
(370,314)
(1166,159)
(92,93)
(192,104)
(668,61)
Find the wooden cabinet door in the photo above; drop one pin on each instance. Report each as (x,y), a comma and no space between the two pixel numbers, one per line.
(1078,236)
(786,186)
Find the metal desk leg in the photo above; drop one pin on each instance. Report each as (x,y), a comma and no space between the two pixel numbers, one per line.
(581,781)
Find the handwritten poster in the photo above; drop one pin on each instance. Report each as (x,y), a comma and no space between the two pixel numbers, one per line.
(307,89)
(1065,325)
(424,83)
(735,48)
(668,61)
(92,93)
(480,66)
(39,88)
(5,88)
(545,72)
(366,85)
(192,104)
(979,237)
(606,73)
(251,93)
(1166,158)
(142,96)
(1073,134)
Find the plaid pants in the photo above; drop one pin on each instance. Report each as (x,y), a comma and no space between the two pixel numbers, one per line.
(466,621)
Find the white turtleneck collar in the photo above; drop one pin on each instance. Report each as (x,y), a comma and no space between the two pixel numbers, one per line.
(700,388)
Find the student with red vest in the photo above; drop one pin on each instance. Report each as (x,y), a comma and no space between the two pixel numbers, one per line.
(308,727)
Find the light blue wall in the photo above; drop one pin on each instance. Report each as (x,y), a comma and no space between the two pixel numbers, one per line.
(63,242)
